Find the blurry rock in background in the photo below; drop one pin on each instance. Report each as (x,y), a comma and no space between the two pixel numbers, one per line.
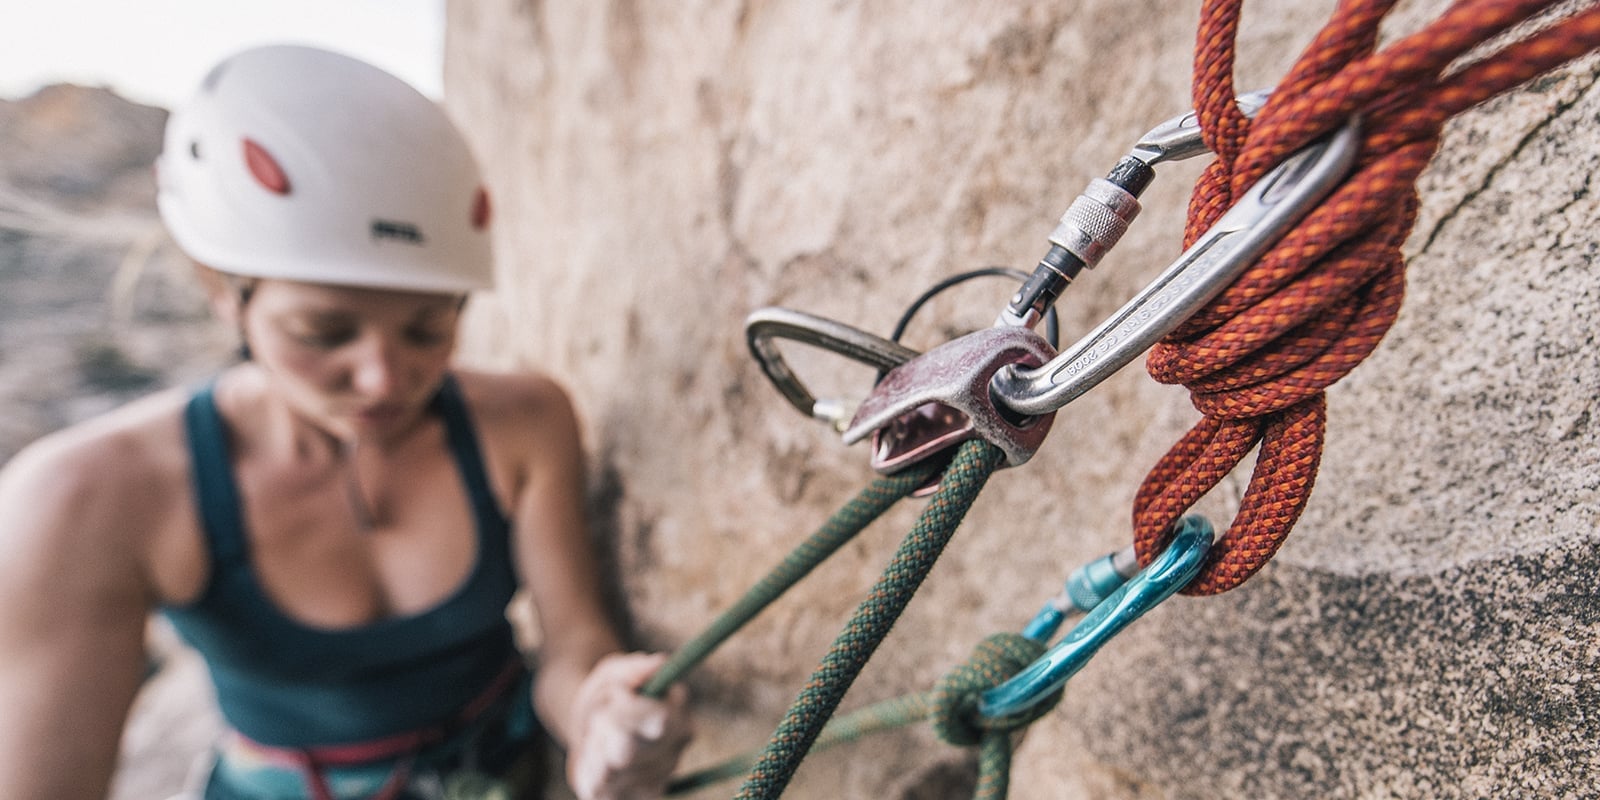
(96,305)
(96,308)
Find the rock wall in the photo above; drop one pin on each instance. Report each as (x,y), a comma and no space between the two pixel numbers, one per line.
(661,170)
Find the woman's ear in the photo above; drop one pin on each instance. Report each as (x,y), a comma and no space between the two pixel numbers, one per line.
(227,294)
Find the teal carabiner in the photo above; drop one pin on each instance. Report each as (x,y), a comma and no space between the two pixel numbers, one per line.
(1168,573)
(1085,588)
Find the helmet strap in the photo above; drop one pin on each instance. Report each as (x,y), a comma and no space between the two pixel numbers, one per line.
(244,289)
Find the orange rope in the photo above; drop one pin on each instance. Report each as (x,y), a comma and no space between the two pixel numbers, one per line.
(1258,359)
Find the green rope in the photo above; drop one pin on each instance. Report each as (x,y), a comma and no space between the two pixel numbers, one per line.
(994,767)
(893,713)
(848,521)
(955,707)
(973,464)
(904,710)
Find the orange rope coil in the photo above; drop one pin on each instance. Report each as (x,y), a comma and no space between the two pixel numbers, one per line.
(1259,358)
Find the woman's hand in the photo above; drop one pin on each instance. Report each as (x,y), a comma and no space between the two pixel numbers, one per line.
(625,745)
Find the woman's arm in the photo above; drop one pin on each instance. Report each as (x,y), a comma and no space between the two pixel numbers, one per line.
(619,744)
(73,602)
(556,558)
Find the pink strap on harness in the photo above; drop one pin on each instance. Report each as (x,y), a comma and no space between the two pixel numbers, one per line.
(313,761)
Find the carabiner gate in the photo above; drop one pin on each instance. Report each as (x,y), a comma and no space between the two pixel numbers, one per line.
(1085,588)
(764,326)
(1003,384)
(1168,573)
(1241,236)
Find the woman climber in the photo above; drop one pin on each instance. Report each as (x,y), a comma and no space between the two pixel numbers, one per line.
(338,522)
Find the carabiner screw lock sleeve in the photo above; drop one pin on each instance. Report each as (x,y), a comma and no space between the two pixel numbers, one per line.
(1168,573)
(1238,239)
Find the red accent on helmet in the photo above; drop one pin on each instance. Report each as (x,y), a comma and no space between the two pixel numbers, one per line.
(480,209)
(264,168)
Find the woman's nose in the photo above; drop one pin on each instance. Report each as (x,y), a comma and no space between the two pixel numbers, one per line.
(377,372)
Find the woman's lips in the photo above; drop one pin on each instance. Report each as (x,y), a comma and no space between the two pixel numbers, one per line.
(383,413)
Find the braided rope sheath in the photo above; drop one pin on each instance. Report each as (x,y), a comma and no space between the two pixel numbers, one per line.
(884,715)
(966,476)
(1258,359)
(955,707)
(840,528)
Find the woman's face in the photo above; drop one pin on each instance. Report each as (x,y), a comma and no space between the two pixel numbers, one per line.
(360,363)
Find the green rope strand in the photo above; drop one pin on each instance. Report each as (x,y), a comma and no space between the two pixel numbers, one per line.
(955,707)
(968,473)
(994,766)
(893,713)
(843,526)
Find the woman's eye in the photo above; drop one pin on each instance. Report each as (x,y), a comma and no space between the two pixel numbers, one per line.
(324,340)
(426,337)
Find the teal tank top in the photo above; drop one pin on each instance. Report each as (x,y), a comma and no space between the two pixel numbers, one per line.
(286,684)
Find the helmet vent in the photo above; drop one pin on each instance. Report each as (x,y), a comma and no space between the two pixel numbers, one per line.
(209,83)
(480,209)
(264,168)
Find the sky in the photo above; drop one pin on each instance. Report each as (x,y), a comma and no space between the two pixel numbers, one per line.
(156,51)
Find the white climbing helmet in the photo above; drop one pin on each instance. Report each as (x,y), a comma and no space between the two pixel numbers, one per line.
(297,163)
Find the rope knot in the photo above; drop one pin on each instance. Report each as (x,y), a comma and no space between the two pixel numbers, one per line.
(993,661)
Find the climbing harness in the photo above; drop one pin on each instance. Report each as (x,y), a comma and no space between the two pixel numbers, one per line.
(1291,274)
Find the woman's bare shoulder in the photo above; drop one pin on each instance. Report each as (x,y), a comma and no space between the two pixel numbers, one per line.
(124,463)
(527,425)
(515,398)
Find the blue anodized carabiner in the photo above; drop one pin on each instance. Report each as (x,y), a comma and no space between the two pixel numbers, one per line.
(1168,573)
(1085,588)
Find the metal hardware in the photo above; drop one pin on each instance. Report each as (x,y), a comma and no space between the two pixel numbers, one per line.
(1084,589)
(765,326)
(1244,234)
(1179,138)
(1002,384)
(1168,573)
(955,376)
(1090,584)
(1098,218)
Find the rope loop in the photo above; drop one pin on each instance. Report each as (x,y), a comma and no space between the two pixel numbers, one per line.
(993,661)
(1258,359)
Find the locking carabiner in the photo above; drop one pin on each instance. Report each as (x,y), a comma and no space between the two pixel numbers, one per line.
(1241,236)
(1168,573)
(1098,217)
(1085,588)
(931,402)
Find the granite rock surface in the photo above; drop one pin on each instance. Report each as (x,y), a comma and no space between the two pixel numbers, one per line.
(661,170)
